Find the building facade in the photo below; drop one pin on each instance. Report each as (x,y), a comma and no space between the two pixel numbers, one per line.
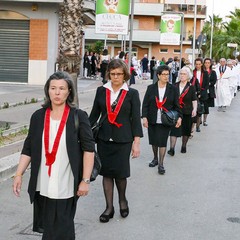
(146,33)
(28,40)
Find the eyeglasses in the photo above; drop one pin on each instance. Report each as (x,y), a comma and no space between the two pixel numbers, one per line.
(116,74)
(165,74)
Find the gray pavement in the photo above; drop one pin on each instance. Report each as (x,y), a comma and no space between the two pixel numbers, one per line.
(197,198)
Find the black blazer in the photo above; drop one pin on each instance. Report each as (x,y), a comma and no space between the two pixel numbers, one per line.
(128,116)
(33,145)
(149,106)
(188,98)
(205,85)
(212,82)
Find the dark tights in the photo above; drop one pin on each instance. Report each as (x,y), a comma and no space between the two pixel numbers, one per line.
(173,141)
(162,152)
(108,187)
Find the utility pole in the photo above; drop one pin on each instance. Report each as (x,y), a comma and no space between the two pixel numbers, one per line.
(131,35)
(212,24)
(194,31)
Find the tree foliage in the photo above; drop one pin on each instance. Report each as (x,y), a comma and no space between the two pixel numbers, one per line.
(223,33)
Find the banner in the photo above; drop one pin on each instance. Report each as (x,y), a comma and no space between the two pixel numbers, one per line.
(170,28)
(112,16)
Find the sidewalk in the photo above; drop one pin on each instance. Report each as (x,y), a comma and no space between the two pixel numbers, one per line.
(19,116)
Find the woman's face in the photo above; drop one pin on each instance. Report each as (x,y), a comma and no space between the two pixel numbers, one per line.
(58,92)
(183,76)
(198,65)
(164,76)
(117,77)
(207,64)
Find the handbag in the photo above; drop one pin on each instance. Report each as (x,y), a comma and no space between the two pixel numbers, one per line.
(200,107)
(96,127)
(97,161)
(169,118)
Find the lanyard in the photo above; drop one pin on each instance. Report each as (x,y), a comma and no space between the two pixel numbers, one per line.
(112,115)
(50,157)
(160,104)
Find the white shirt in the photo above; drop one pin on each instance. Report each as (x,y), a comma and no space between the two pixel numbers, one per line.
(161,92)
(60,185)
(114,95)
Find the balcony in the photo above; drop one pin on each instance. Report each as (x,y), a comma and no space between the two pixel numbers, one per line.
(145,36)
(188,10)
(147,9)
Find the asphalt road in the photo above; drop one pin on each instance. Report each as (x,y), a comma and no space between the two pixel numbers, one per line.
(197,198)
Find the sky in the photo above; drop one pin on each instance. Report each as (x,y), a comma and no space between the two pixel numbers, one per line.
(221,7)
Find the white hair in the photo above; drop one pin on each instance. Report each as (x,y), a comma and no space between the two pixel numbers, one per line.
(188,71)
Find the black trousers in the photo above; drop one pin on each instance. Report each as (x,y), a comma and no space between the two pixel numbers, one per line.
(54,217)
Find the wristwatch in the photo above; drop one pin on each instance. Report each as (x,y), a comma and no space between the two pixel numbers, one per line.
(86,180)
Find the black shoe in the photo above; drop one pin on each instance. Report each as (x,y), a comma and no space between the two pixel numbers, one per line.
(183,150)
(104,218)
(171,152)
(198,130)
(153,163)
(161,170)
(205,124)
(124,212)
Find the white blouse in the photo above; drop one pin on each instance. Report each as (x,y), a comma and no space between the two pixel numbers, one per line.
(161,92)
(60,185)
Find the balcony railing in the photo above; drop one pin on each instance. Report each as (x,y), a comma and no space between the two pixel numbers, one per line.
(186,9)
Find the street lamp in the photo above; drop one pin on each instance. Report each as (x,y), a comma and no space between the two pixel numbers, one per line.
(211,40)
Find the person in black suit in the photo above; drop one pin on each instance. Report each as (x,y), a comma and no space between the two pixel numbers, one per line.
(188,104)
(211,93)
(60,169)
(160,96)
(202,76)
(119,136)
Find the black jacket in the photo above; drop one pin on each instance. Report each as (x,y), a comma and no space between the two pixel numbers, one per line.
(149,106)
(204,86)
(188,98)
(33,145)
(129,117)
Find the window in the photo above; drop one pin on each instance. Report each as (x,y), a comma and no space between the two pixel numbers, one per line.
(163,50)
(176,51)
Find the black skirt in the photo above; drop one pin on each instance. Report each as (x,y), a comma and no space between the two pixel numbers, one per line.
(54,217)
(115,158)
(185,129)
(158,135)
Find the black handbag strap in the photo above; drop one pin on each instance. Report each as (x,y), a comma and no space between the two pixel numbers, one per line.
(105,115)
(76,119)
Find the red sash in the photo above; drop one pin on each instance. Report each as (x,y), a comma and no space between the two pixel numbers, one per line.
(181,103)
(50,157)
(160,104)
(112,115)
(201,77)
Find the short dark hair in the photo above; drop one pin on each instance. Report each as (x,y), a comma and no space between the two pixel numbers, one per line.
(118,63)
(59,75)
(162,68)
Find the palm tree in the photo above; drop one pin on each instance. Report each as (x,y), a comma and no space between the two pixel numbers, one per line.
(70,38)
(70,34)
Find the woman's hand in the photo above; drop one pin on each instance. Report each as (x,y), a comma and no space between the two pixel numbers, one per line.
(136,147)
(145,122)
(179,122)
(83,189)
(194,112)
(17,184)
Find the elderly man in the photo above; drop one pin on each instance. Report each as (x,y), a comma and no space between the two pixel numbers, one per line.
(223,94)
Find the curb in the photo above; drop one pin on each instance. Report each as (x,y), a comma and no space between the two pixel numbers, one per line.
(8,166)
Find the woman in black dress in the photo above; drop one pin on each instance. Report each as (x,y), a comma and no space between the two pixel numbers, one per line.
(160,96)
(188,104)
(119,135)
(202,76)
(212,81)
